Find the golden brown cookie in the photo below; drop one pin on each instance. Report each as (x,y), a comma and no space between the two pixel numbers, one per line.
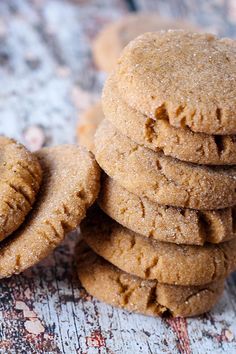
(20,178)
(88,124)
(115,287)
(149,259)
(158,134)
(186,78)
(162,179)
(163,223)
(70,185)
(116,35)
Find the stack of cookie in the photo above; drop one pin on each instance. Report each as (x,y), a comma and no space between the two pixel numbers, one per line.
(167,147)
(43,196)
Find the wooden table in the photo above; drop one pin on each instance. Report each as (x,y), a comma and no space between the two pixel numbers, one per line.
(47,79)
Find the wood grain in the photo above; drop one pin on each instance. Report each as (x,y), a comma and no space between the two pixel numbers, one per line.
(48,78)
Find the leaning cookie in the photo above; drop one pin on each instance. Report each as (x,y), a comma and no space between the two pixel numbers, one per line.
(149,259)
(70,185)
(116,35)
(20,180)
(115,287)
(163,179)
(159,134)
(187,78)
(87,125)
(163,223)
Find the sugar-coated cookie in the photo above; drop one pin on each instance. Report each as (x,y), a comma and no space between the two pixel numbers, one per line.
(20,179)
(88,124)
(164,223)
(149,259)
(163,179)
(115,36)
(186,78)
(70,185)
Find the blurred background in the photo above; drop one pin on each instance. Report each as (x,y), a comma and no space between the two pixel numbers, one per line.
(52,65)
(54,58)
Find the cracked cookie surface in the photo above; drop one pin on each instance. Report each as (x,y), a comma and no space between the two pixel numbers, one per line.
(115,287)
(70,185)
(163,179)
(188,77)
(149,259)
(88,124)
(20,179)
(158,134)
(163,223)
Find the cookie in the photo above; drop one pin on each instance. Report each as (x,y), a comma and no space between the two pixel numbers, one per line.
(162,179)
(149,259)
(19,184)
(115,287)
(163,223)
(88,124)
(158,134)
(70,185)
(186,78)
(116,35)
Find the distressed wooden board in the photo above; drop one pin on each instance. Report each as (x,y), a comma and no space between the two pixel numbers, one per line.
(47,79)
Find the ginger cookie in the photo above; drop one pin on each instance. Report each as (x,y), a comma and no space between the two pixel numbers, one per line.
(158,134)
(115,287)
(70,185)
(19,184)
(149,259)
(88,124)
(186,78)
(162,179)
(163,223)
(115,36)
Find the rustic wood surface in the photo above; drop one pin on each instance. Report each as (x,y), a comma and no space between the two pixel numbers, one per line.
(48,78)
